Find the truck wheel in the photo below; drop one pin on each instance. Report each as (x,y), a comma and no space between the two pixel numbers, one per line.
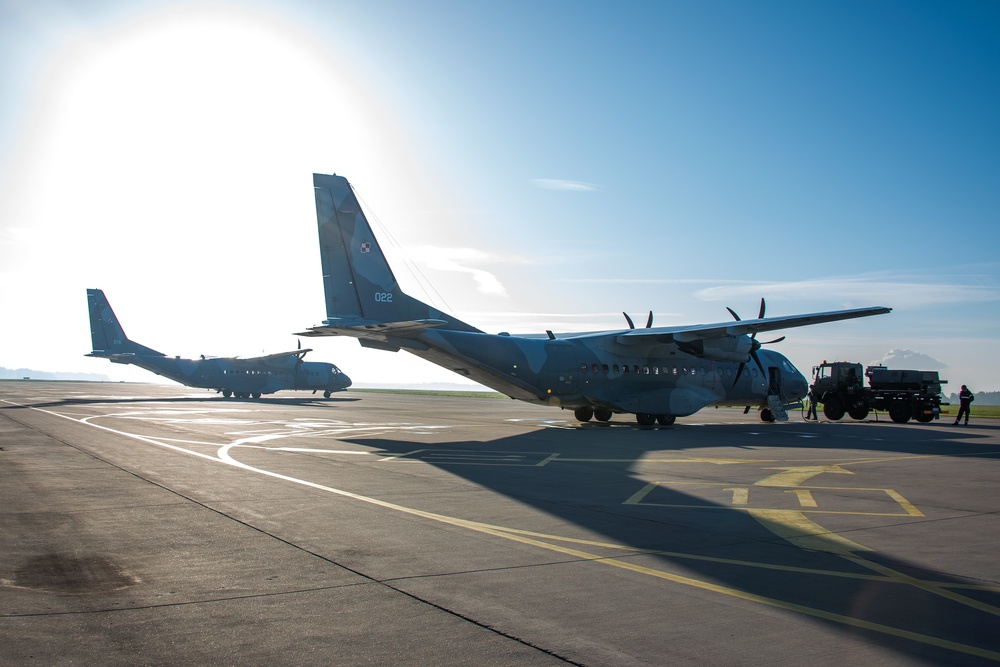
(833,408)
(858,412)
(925,417)
(899,412)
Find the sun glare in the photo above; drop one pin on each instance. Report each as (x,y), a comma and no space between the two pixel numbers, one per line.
(176,150)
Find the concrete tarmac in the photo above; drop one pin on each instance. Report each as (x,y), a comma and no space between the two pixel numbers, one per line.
(160,525)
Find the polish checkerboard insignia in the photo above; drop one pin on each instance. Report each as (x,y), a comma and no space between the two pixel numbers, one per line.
(366,247)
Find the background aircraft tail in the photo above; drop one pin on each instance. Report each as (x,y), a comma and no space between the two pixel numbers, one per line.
(107,336)
(361,290)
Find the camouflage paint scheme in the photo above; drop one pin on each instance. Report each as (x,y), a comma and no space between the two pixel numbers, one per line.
(656,373)
(247,377)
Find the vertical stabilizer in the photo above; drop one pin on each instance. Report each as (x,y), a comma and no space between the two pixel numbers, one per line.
(360,287)
(106,333)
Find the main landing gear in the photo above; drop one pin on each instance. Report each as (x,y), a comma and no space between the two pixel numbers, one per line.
(585,414)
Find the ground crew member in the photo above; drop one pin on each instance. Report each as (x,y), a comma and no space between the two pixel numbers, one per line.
(965,399)
(811,413)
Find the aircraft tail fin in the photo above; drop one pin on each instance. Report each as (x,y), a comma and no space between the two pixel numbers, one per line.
(107,336)
(361,290)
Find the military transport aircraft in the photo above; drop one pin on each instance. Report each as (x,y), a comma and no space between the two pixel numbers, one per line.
(243,378)
(655,373)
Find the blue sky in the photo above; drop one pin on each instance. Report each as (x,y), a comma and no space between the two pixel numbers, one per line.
(542,165)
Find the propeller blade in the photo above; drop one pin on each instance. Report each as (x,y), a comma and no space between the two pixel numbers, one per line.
(649,320)
(776,340)
(760,315)
(733,313)
(628,319)
(739,372)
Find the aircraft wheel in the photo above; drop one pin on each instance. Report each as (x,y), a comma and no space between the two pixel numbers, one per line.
(858,413)
(584,414)
(833,408)
(602,415)
(899,412)
(256,394)
(227,393)
(326,394)
(766,415)
(665,420)
(645,418)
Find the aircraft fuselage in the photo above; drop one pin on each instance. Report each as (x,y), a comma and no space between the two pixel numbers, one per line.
(574,373)
(239,376)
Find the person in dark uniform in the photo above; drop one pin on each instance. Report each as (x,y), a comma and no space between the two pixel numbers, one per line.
(811,413)
(965,399)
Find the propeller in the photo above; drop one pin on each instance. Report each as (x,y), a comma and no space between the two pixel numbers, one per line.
(649,320)
(754,343)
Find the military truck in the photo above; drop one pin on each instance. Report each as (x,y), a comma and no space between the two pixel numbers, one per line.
(905,395)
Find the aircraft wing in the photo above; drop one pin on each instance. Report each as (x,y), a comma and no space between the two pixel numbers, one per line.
(690,333)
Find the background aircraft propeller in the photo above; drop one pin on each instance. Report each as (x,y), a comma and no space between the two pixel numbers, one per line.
(754,343)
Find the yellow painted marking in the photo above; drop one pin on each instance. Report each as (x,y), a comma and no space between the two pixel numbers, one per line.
(793,526)
(741,496)
(641,493)
(798,475)
(551,457)
(805,497)
(800,531)
(904,503)
(394,457)
(928,586)
(908,508)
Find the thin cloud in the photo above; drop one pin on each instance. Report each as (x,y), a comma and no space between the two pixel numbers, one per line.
(462,260)
(894,291)
(560,184)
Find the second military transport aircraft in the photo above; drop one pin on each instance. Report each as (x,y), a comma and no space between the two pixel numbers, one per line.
(655,373)
(242,377)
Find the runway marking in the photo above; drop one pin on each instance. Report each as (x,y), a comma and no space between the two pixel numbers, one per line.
(536,539)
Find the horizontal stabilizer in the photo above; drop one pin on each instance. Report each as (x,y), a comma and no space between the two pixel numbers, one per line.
(357,327)
(114,357)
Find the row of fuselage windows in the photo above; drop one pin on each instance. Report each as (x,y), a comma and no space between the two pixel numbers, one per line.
(234,371)
(625,369)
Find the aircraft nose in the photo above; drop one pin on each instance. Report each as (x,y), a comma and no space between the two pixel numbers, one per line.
(798,387)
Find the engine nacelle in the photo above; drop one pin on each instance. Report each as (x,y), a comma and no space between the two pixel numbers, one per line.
(729,348)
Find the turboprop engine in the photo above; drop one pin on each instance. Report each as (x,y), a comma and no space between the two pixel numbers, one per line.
(736,348)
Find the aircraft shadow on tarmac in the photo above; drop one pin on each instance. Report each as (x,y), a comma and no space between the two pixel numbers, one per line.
(690,526)
(214,400)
